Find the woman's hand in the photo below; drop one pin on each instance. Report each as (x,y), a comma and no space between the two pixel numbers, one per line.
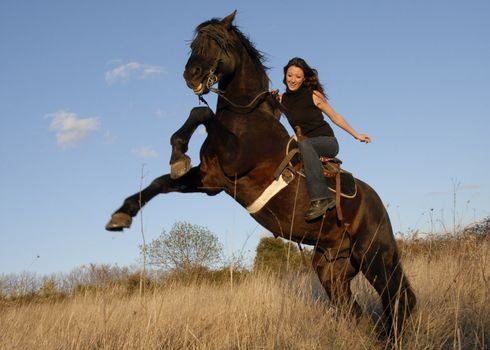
(321,102)
(363,138)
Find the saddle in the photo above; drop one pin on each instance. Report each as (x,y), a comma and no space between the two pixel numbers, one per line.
(332,170)
(339,181)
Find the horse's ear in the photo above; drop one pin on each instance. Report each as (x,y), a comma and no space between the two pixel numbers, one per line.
(228,20)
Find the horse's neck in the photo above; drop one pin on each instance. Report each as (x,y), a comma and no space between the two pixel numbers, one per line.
(244,93)
(248,81)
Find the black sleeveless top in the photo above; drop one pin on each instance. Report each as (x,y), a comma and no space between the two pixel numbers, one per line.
(301,111)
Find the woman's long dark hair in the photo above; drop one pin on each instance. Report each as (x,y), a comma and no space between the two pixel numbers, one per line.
(311,75)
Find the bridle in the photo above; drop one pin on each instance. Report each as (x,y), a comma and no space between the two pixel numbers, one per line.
(213,79)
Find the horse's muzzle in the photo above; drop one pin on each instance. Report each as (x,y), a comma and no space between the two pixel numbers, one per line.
(199,87)
(199,90)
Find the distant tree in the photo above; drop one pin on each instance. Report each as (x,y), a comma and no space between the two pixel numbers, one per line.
(278,255)
(481,228)
(48,287)
(3,286)
(185,247)
(19,284)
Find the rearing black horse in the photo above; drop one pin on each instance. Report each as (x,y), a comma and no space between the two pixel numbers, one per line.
(244,147)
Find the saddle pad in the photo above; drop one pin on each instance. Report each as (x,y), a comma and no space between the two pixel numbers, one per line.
(348,188)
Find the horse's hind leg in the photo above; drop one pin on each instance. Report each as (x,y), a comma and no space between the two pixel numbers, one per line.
(383,269)
(335,272)
(180,163)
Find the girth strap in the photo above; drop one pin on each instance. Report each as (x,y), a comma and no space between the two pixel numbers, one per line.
(337,196)
(334,170)
(285,162)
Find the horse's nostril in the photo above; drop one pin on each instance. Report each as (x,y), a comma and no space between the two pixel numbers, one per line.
(193,72)
(196,71)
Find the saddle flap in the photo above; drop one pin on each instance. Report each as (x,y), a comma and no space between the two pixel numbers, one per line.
(333,172)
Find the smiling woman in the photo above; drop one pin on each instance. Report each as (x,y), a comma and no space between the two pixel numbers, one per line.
(304,102)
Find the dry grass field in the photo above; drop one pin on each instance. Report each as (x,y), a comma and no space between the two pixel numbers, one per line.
(450,276)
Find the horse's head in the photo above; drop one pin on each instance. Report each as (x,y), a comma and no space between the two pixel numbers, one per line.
(211,56)
(217,50)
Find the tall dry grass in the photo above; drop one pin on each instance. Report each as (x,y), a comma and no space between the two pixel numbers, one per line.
(265,312)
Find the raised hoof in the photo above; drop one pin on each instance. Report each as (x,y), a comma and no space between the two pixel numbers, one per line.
(180,167)
(119,221)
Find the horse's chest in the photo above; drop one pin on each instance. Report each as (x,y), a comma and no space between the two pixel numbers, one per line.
(211,173)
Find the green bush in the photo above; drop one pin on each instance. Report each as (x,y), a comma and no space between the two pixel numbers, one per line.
(279,256)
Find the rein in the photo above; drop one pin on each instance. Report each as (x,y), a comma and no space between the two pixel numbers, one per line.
(213,79)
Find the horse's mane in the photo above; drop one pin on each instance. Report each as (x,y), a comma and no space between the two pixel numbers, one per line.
(215,30)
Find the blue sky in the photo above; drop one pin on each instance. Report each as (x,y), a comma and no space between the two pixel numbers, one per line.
(91,91)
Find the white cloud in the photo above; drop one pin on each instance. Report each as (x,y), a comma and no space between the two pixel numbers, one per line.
(145,152)
(70,129)
(151,71)
(129,70)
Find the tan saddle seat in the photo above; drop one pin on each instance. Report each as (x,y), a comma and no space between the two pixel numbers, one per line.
(331,166)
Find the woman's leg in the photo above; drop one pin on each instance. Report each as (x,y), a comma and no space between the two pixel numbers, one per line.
(311,149)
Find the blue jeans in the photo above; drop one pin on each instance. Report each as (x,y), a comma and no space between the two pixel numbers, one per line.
(311,150)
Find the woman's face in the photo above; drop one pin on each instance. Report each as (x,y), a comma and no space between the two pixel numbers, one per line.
(294,78)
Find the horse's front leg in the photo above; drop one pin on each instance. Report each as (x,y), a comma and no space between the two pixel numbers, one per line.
(189,183)
(180,163)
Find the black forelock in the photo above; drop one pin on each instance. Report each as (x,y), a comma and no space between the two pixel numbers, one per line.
(214,29)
